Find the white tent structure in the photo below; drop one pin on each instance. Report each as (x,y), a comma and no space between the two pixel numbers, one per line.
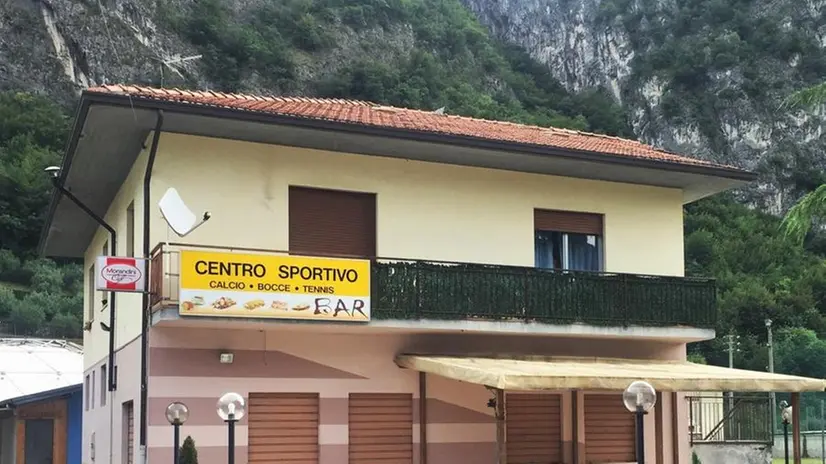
(30,366)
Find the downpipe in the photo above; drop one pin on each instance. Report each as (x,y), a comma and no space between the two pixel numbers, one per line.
(147,180)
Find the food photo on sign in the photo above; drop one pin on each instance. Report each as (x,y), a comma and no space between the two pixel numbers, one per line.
(272,286)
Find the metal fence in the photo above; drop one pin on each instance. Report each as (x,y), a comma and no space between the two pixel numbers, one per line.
(433,290)
(727,418)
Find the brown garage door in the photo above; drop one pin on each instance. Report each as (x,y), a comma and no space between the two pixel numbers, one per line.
(609,430)
(283,428)
(381,428)
(534,433)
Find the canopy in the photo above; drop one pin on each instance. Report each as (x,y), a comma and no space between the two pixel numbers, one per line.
(565,373)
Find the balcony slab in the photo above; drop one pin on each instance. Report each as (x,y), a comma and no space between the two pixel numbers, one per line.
(169,317)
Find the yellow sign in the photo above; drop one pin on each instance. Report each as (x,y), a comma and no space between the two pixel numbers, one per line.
(270,286)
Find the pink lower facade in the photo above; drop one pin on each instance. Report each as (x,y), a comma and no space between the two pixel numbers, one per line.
(184,366)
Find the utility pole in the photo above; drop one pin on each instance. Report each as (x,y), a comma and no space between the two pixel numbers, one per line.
(732,347)
(770,346)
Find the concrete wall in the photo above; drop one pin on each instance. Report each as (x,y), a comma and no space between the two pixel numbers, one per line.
(813,444)
(713,453)
(105,422)
(128,306)
(185,367)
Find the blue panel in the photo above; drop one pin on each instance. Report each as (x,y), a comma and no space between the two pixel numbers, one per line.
(74,434)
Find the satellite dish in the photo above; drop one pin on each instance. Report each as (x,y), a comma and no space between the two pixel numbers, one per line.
(177,215)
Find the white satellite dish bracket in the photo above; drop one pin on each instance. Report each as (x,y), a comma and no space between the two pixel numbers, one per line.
(178,216)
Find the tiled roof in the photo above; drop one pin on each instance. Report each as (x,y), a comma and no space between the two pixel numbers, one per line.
(369,114)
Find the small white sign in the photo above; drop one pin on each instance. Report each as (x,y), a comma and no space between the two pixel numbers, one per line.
(116,274)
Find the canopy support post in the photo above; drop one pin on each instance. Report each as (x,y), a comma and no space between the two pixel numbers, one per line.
(422,418)
(796,427)
(501,450)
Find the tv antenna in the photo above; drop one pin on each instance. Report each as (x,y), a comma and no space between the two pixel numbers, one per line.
(172,62)
(178,216)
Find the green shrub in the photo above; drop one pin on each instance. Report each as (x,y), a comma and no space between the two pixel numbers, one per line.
(188,455)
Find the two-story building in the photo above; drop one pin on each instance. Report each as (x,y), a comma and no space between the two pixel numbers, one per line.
(385,285)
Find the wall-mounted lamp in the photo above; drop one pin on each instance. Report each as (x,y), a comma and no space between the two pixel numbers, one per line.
(226,357)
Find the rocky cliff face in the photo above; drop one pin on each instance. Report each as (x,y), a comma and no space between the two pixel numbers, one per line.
(62,46)
(706,77)
(696,76)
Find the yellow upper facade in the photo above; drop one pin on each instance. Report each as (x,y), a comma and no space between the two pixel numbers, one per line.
(424,211)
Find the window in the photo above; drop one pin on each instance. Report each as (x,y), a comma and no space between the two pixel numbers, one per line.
(332,223)
(130,229)
(90,308)
(86,392)
(102,383)
(567,240)
(92,401)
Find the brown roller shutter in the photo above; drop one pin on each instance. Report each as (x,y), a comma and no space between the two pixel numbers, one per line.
(283,428)
(533,429)
(330,222)
(609,430)
(567,221)
(381,428)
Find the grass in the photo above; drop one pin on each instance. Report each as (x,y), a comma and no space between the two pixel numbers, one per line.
(804,461)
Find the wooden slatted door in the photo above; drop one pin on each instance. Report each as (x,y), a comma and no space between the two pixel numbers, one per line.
(381,428)
(533,428)
(609,430)
(283,428)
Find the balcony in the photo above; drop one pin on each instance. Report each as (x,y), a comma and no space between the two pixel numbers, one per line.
(441,291)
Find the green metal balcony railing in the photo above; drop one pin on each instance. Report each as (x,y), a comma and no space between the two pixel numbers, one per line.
(406,289)
(449,291)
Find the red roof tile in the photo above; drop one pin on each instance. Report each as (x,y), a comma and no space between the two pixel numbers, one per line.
(366,113)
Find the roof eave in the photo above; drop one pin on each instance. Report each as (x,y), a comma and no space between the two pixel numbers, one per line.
(366,129)
(40,396)
(66,161)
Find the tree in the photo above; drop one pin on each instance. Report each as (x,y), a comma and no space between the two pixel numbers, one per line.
(799,352)
(811,208)
(27,319)
(189,455)
(808,98)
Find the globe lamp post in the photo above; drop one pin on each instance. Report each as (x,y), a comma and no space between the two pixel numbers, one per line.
(786,416)
(177,413)
(639,398)
(231,409)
